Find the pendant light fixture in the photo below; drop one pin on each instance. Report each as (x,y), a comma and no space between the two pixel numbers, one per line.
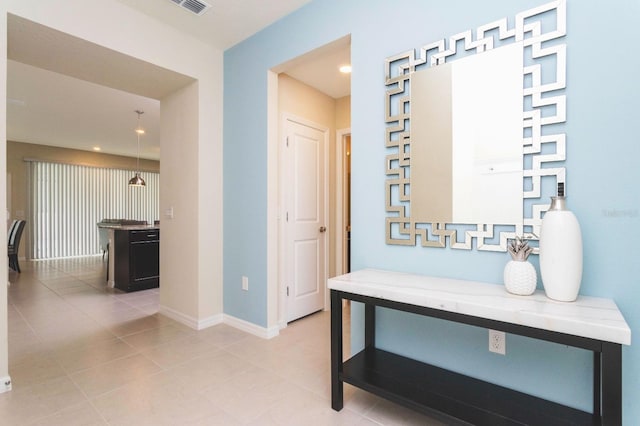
(137,179)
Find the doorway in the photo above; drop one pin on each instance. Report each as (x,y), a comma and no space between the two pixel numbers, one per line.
(293,90)
(343,201)
(184,104)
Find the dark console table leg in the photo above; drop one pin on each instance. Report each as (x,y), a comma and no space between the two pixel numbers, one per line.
(597,383)
(337,389)
(369,326)
(611,384)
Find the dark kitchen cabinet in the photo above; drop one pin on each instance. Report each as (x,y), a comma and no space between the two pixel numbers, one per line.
(137,259)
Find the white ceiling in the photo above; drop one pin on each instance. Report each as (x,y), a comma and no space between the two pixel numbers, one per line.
(48,108)
(225,24)
(64,91)
(320,68)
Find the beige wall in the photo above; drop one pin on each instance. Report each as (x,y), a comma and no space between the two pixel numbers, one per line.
(93,20)
(300,100)
(343,113)
(4,339)
(182,231)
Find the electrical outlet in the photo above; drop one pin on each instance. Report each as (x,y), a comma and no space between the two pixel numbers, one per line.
(245,283)
(497,342)
(5,384)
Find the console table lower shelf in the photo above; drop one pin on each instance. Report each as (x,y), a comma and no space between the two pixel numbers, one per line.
(432,391)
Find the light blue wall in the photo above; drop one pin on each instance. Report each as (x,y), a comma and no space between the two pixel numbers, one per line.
(603,149)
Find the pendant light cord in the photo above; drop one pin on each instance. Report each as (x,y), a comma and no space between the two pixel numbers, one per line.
(137,179)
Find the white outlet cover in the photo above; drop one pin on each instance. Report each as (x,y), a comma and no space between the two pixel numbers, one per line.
(5,384)
(497,342)
(245,283)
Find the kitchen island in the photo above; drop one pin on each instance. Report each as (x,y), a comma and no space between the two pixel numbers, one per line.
(134,255)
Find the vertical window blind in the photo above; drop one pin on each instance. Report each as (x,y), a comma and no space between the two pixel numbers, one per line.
(67,201)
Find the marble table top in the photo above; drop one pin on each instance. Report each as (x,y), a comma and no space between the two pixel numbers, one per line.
(591,317)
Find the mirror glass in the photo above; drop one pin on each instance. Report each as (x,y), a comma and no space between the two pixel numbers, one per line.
(467,139)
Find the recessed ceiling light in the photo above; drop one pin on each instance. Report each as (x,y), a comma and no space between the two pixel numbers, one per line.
(345,69)
(97,148)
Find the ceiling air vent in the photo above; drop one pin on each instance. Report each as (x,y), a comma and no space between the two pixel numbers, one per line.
(194,6)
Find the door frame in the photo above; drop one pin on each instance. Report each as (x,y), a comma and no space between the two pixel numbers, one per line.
(341,232)
(283,200)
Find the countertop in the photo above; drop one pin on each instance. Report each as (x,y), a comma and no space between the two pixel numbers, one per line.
(116,226)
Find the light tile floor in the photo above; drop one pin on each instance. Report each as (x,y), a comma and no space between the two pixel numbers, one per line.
(83,354)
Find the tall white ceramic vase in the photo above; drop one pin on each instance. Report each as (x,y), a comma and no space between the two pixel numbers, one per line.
(560,251)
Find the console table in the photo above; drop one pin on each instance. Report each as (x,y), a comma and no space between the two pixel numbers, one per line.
(590,323)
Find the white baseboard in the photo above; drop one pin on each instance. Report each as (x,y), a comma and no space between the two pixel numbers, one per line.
(190,321)
(211,321)
(5,384)
(251,328)
(282,324)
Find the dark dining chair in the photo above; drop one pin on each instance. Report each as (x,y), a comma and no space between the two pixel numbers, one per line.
(13,244)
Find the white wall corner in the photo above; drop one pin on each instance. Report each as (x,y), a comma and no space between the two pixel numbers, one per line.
(5,384)
(190,321)
(210,321)
(256,330)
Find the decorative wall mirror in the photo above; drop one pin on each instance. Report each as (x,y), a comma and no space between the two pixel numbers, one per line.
(474,130)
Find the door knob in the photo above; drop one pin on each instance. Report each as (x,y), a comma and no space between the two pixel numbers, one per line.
(323,228)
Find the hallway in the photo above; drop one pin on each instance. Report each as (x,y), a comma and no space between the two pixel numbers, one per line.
(83,354)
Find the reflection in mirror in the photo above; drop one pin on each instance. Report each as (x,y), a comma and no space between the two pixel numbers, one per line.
(467,139)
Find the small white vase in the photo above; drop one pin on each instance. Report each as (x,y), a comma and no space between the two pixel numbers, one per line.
(560,252)
(520,277)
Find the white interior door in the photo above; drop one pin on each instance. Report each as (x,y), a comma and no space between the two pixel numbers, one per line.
(305,267)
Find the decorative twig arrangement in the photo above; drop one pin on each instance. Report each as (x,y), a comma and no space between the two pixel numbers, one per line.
(519,249)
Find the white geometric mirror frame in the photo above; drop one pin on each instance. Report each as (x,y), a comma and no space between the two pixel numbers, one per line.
(544,112)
